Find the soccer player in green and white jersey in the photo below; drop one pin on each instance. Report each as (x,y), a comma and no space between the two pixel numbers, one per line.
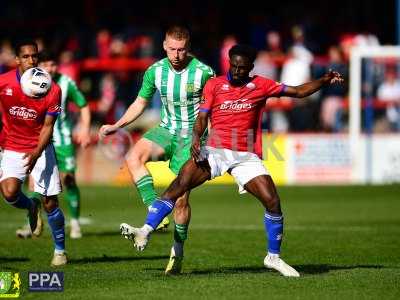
(62,140)
(180,79)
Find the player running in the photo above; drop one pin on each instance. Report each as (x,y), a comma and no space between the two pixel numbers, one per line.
(234,103)
(62,140)
(28,127)
(180,79)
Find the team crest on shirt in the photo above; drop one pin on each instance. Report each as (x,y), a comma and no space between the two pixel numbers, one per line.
(9,92)
(225,87)
(251,86)
(23,113)
(190,88)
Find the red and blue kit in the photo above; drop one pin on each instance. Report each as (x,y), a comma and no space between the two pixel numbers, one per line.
(22,116)
(235,112)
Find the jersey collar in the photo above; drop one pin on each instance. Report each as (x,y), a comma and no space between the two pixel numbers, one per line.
(184,69)
(229,78)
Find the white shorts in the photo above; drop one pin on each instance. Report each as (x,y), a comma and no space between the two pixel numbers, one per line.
(243,166)
(45,175)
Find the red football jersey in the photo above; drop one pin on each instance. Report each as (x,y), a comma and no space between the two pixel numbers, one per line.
(236,112)
(22,116)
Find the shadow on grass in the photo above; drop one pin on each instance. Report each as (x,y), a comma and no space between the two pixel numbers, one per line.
(116,233)
(13,259)
(108,259)
(303,269)
(221,270)
(324,268)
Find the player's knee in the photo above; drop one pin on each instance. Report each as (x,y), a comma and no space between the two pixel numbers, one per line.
(50,203)
(271,201)
(134,160)
(273,204)
(10,193)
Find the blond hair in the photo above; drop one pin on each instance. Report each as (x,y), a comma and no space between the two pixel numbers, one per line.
(178,33)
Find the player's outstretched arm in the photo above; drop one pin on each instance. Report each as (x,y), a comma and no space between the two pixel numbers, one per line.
(44,139)
(309,88)
(132,113)
(198,131)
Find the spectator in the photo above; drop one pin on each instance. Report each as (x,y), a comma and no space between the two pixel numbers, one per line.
(389,91)
(333,95)
(274,48)
(264,66)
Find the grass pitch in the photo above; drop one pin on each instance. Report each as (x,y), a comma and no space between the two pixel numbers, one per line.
(345,242)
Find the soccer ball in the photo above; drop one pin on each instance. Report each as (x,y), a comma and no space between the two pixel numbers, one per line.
(35,82)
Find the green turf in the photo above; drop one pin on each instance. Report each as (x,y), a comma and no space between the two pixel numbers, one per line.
(345,241)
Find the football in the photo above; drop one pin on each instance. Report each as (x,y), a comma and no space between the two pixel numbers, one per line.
(35,82)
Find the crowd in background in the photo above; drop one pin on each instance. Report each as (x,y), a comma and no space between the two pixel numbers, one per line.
(290,54)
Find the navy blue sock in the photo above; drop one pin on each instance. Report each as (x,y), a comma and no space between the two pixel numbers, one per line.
(158,211)
(22,202)
(56,223)
(274,230)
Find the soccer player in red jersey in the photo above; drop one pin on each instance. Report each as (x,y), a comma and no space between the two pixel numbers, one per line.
(27,131)
(234,103)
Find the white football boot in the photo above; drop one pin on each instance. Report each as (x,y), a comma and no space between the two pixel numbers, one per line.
(59,259)
(24,232)
(273,261)
(139,236)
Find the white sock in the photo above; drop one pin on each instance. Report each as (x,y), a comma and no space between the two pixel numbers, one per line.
(178,249)
(273,255)
(147,229)
(56,251)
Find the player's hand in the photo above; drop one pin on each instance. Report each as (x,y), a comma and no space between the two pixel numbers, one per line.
(195,149)
(30,161)
(333,77)
(107,130)
(83,138)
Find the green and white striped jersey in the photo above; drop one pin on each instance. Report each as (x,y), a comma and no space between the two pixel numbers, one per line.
(180,92)
(62,134)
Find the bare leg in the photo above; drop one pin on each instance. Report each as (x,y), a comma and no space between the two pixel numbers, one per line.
(10,188)
(136,159)
(191,175)
(182,215)
(264,189)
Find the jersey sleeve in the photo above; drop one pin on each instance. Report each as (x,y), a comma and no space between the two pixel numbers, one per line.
(207,97)
(148,86)
(54,103)
(273,88)
(207,74)
(75,94)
